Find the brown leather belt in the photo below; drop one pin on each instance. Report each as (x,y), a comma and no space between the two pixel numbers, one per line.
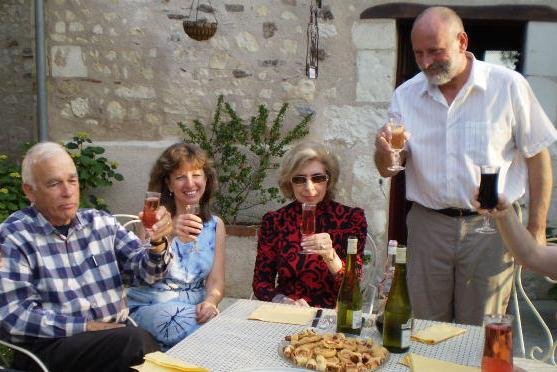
(456,212)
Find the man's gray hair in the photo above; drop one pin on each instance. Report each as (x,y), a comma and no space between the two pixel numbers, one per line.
(36,154)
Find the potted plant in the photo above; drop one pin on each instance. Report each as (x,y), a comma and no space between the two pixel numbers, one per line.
(244,153)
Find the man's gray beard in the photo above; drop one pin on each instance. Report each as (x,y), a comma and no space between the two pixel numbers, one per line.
(439,79)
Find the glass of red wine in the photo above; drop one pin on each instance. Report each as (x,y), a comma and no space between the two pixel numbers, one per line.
(488,196)
(193,209)
(307,226)
(150,206)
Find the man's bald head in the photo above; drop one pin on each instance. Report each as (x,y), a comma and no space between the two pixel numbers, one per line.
(437,18)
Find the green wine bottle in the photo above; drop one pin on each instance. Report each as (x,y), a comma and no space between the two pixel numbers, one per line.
(349,301)
(397,319)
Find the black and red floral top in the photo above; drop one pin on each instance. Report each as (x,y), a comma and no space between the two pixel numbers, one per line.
(304,275)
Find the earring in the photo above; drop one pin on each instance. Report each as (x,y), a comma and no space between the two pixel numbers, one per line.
(170,192)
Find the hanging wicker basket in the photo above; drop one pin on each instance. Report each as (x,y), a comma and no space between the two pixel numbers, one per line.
(200,30)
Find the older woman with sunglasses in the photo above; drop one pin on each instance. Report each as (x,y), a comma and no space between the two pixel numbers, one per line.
(283,273)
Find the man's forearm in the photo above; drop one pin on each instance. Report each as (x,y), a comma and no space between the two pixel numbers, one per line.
(540,181)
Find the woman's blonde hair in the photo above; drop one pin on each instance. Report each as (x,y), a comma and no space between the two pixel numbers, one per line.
(298,157)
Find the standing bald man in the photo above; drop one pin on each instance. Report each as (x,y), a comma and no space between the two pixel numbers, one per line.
(461,113)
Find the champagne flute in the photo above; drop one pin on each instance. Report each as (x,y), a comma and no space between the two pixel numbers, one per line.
(307,226)
(397,142)
(150,206)
(488,196)
(193,209)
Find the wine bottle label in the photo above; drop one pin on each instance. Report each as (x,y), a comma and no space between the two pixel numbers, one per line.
(400,255)
(405,331)
(352,247)
(357,319)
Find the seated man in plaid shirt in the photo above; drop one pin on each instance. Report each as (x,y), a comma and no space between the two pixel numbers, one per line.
(62,269)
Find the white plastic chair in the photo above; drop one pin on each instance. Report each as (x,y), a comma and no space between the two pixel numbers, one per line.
(536,352)
(129,221)
(26,352)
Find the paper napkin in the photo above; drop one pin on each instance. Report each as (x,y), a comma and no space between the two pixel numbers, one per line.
(420,363)
(437,333)
(278,313)
(160,362)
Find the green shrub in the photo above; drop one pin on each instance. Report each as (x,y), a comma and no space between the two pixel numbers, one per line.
(94,170)
(244,154)
(11,194)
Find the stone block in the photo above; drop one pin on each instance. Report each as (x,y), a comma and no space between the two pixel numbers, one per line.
(67,61)
(541,50)
(376,34)
(80,107)
(234,8)
(376,75)
(247,41)
(269,29)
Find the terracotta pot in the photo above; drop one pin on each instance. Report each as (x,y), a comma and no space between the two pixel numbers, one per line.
(242,230)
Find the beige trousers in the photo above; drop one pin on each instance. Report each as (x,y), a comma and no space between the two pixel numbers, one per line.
(454,273)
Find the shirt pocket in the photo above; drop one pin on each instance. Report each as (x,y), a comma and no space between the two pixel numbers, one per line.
(485,142)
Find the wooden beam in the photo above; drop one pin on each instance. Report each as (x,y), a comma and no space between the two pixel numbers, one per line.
(524,13)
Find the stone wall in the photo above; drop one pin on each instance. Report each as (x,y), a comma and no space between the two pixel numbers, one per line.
(126,71)
(17,104)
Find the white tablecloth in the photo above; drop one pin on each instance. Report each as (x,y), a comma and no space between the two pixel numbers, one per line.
(231,342)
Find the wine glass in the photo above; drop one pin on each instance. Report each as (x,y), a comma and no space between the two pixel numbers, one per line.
(150,206)
(193,209)
(307,226)
(397,142)
(488,196)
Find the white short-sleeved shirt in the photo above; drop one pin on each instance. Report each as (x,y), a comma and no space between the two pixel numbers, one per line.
(494,120)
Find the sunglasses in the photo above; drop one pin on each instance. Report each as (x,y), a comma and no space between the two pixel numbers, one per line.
(315,178)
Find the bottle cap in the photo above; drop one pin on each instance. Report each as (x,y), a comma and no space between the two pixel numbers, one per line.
(391,249)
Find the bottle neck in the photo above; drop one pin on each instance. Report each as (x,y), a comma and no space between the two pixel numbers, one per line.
(399,278)
(351,262)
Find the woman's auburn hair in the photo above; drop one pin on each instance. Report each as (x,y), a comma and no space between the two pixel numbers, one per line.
(298,157)
(171,159)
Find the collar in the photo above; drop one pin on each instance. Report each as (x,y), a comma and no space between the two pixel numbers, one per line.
(47,228)
(478,78)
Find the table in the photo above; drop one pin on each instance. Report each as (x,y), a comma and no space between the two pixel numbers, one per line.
(231,342)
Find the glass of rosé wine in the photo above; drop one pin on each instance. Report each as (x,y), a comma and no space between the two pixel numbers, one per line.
(307,226)
(196,210)
(498,344)
(150,206)
(398,140)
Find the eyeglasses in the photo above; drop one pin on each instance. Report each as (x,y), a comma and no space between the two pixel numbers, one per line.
(315,178)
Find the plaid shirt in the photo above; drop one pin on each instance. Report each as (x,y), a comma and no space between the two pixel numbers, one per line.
(51,285)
